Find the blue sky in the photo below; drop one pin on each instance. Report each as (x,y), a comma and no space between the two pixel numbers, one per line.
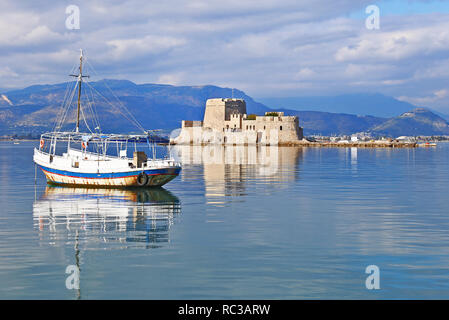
(265,47)
(405,7)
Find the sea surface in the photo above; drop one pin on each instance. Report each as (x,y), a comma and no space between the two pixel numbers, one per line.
(238,223)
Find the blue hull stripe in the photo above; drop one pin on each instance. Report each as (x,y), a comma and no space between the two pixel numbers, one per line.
(150,172)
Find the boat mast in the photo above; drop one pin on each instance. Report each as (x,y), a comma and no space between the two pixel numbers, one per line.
(80,80)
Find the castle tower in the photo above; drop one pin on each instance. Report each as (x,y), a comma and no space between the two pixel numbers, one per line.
(220,110)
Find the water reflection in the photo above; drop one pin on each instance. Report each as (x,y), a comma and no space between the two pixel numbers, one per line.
(105,218)
(228,169)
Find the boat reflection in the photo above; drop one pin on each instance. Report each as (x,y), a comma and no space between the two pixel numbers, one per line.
(106,218)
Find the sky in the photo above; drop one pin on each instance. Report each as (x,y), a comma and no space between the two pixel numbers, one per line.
(267,48)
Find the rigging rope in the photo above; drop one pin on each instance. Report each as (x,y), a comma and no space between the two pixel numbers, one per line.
(90,104)
(62,110)
(68,106)
(136,123)
(133,119)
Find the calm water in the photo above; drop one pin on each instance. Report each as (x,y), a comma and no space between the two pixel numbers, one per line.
(275,223)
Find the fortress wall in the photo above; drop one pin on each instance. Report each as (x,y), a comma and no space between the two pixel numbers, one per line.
(285,128)
(235,121)
(270,135)
(225,122)
(190,123)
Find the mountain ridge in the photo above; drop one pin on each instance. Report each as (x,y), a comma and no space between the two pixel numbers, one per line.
(35,108)
(373,104)
(419,121)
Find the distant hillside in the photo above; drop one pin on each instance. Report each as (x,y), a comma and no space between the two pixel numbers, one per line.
(376,104)
(326,123)
(419,121)
(34,109)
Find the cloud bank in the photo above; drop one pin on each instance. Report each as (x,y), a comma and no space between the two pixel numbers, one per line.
(265,47)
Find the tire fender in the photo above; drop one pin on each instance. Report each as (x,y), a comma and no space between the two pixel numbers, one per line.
(142,179)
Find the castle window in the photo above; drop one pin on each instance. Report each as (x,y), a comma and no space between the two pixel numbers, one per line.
(264,127)
(280,128)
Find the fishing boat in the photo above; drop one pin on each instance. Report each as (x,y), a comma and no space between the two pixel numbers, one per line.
(93,158)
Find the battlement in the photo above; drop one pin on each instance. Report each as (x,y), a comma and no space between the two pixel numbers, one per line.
(274,114)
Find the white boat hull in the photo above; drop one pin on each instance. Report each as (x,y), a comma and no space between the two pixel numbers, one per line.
(105,173)
(157,177)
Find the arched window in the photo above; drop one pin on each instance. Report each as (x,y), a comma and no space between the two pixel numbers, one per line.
(280,128)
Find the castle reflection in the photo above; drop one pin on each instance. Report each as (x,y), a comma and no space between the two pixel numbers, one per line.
(227,170)
(106,218)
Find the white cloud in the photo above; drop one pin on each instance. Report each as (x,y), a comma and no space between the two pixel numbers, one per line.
(305,73)
(125,48)
(173,79)
(397,45)
(435,97)
(6,72)
(16,24)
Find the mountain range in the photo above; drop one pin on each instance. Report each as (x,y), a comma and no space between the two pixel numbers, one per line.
(373,104)
(34,109)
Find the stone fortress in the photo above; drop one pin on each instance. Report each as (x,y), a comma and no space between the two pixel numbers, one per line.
(226,123)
